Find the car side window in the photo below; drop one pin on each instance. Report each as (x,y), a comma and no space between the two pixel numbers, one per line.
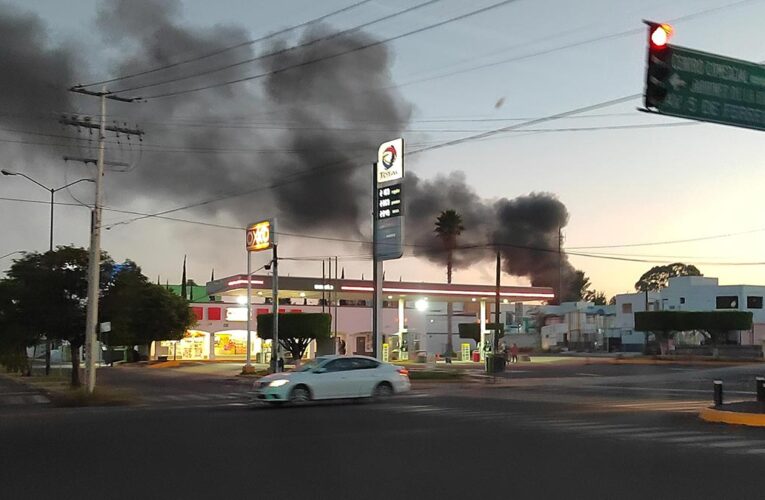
(365,364)
(339,365)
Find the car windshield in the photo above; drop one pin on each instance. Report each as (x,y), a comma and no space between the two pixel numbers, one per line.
(314,363)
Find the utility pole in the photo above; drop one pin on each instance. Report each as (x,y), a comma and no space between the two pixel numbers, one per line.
(94,263)
(334,316)
(496,305)
(275,310)
(560,266)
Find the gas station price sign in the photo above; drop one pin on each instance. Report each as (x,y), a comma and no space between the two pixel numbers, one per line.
(389,201)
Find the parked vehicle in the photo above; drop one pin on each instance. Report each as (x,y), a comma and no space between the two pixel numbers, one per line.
(334,377)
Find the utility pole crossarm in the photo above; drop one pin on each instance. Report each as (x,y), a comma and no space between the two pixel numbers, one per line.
(89,124)
(95,160)
(82,90)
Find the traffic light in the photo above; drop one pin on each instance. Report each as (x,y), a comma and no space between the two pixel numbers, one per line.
(659,63)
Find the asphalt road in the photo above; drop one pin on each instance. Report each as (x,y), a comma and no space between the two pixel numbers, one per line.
(480,441)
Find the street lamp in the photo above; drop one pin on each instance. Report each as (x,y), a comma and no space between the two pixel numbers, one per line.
(52,192)
(9,254)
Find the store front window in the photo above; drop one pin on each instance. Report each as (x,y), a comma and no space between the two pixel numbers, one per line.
(194,345)
(233,343)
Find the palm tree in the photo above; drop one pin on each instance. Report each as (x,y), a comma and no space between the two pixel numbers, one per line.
(448,227)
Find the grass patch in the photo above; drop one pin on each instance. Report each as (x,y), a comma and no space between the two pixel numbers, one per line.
(255,374)
(100,397)
(435,375)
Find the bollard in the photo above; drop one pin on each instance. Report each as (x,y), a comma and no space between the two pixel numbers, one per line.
(718,386)
(760,381)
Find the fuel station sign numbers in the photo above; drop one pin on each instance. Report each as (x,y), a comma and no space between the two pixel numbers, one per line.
(389,202)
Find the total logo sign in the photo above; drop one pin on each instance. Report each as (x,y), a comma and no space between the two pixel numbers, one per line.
(390,161)
(260,236)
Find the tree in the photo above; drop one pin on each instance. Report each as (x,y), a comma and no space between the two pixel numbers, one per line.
(715,324)
(657,277)
(14,338)
(296,330)
(141,312)
(448,227)
(596,297)
(579,289)
(50,291)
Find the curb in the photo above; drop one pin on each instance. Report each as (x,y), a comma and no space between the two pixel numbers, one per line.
(732,417)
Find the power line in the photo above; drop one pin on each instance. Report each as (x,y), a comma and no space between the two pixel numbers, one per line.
(654,261)
(485,246)
(227,49)
(332,56)
(509,128)
(279,52)
(669,242)
(314,171)
(161,148)
(620,34)
(678,19)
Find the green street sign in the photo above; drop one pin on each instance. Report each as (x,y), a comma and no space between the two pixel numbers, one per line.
(712,88)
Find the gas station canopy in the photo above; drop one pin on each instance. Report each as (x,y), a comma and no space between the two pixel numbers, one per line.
(349,289)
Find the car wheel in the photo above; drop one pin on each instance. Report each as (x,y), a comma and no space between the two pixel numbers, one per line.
(383,391)
(300,395)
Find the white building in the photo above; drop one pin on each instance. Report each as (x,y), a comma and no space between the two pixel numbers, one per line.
(693,293)
(578,326)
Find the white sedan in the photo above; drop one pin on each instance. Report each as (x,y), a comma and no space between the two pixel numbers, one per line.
(334,377)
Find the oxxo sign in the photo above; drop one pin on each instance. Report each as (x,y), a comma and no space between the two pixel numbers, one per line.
(260,236)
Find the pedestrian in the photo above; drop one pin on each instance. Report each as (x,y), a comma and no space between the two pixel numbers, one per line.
(514,353)
(281,364)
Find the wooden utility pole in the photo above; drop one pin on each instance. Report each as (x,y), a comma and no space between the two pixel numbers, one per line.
(94,263)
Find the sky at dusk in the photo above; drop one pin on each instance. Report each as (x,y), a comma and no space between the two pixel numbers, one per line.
(621,186)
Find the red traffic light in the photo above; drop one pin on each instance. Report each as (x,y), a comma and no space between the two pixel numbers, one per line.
(660,34)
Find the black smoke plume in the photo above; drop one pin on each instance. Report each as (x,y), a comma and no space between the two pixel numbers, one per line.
(298,142)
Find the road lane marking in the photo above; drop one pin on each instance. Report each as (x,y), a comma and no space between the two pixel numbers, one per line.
(757,451)
(693,438)
(672,434)
(633,432)
(664,389)
(735,443)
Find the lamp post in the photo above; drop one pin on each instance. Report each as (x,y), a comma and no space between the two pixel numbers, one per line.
(52,192)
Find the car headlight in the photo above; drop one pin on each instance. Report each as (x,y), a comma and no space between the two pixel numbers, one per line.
(279,383)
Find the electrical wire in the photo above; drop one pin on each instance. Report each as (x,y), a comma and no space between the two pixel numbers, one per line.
(331,56)
(669,242)
(588,41)
(351,163)
(277,52)
(227,49)
(485,246)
